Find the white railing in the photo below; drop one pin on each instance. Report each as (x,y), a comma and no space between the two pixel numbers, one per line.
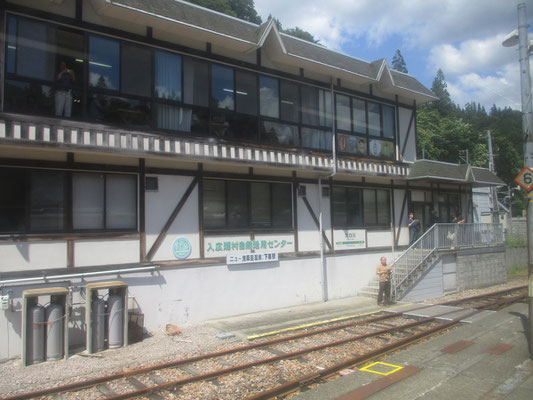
(439,237)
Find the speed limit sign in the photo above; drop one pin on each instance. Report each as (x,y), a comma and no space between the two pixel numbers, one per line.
(525,178)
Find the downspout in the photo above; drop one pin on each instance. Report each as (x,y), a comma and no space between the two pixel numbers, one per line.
(323,262)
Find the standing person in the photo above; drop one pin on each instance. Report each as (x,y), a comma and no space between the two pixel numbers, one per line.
(384,271)
(413,225)
(65,79)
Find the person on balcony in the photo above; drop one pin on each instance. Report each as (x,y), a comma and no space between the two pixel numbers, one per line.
(414,228)
(384,271)
(65,79)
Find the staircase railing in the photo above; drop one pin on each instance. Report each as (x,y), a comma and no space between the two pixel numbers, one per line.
(439,237)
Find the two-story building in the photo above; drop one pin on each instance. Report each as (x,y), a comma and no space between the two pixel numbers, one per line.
(215,166)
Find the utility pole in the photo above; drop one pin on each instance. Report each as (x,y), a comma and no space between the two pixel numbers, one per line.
(493,193)
(521,37)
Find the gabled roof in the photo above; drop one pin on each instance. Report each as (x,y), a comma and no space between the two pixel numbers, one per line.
(428,170)
(201,23)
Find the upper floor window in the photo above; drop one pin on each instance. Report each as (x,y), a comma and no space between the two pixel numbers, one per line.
(167,76)
(104,63)
(316,106)
(222,87)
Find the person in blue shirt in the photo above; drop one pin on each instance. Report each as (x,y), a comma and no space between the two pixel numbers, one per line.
(414,227)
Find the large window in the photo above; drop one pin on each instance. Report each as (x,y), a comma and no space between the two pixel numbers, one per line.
(355,207)
(38,201)
(104,63)
(135,85)
(222,87)
(104,201)
(243,205)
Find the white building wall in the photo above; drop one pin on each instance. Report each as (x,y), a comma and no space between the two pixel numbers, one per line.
(103,252)
(410,149)
(159,206)
(25,256)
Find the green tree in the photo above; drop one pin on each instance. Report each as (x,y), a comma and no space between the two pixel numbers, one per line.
(398,63)
(439,87)
(243,9)
(296,32)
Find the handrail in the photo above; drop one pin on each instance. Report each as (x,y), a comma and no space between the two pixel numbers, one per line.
(439,237)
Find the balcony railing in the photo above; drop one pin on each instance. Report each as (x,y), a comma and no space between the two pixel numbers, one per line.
(409,266)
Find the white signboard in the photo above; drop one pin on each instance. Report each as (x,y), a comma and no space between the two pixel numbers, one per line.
(251,258)
(347,239)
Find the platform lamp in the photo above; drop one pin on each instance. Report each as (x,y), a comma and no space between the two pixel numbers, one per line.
(520,36)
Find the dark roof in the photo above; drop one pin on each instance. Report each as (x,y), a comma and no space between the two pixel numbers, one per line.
(428,170)
(216,23)
(197,16)
(321,54)
(409,82)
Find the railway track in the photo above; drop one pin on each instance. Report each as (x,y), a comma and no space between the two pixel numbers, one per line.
(279,365)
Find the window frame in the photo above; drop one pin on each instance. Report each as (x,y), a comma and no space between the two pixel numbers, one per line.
(247,205)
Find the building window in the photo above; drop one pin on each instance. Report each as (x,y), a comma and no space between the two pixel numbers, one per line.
(246,92)
(136,70)
(222,87)
(269,96)
(167,76)
(376,206)
(316,106)
(355,207)
(347,207)
(243,205)
(343,112)
(282,134)
(195,82)
(36,201)
(290,101)
(104,63)
(317,139)
(104,201)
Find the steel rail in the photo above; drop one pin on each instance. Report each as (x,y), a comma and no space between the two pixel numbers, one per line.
(358,360)
(295,354)
(104,379)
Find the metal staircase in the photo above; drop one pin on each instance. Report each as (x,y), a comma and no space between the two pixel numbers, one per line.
(411,265)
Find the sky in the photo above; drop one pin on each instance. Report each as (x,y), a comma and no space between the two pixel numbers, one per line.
(461,37)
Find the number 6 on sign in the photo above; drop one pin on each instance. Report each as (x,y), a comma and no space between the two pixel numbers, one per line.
(525,178)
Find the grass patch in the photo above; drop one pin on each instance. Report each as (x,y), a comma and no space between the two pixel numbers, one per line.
(515,241)
(517,270)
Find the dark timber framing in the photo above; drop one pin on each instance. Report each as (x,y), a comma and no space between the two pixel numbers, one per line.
(315,219)
(171,219)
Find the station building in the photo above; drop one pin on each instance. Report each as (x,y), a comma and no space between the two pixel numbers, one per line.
(216,166)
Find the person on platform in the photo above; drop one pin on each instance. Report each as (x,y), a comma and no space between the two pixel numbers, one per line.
(384,271)
(414,226)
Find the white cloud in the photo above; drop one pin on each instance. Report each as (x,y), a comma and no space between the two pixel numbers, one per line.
(471,55)
(501,88)
(462,37)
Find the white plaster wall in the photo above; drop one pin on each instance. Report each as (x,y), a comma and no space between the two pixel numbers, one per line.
(410,151)
(349,274)
(401,220)
(309,237)
(379,238)
(160,205)
(104,252)
(32,255)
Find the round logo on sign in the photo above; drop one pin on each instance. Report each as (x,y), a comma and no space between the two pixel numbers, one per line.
(181,248)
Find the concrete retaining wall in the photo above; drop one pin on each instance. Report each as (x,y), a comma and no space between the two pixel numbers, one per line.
(481,269)
(515,257)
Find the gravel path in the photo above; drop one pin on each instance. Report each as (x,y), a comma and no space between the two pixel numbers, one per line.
(157,348)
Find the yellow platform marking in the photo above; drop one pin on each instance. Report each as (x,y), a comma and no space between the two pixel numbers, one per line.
(395,368)
(311,324)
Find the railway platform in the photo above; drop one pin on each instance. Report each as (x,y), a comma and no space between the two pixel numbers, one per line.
(484,358)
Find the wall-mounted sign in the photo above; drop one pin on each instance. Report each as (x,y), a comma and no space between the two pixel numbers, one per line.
(181,248)
(251,258)
(346,239)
